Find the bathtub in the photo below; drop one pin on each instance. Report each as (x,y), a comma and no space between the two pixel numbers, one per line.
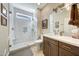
(25,45)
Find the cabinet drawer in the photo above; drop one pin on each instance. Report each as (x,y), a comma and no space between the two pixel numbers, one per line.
(52,41)
(69,48)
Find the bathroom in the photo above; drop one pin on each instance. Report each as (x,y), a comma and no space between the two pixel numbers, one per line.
(57,25)
(28,23)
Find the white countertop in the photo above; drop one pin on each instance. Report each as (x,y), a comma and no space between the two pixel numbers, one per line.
(64,39)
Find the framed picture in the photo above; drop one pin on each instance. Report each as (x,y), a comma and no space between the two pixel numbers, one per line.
(3,21)
(44,24)
(3,10)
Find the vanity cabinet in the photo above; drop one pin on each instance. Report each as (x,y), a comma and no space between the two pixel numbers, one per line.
(46,50)
(53,50)
(52,47)
(70,49)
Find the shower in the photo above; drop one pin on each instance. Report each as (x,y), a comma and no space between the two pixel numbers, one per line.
(23,27)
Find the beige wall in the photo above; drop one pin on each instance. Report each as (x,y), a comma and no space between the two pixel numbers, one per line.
(46,11)
(39,22)
(3,35)
(43,14)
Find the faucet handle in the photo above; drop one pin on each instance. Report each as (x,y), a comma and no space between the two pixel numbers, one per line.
(61,33)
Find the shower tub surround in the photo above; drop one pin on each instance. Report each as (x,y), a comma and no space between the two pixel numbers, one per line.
(33,46)
(23,26)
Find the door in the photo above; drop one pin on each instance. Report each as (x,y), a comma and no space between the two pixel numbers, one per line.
(50,49)
(53,50)
(46,48)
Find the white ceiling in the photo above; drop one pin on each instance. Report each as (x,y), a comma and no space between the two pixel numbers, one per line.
(29,6)
(32,6)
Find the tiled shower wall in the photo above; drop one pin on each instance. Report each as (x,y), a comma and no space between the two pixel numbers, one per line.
(17,32)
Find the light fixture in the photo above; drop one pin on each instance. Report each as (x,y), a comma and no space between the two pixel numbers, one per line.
(38,3)
(67,6)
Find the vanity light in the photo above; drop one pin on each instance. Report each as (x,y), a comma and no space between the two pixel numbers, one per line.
(67,6)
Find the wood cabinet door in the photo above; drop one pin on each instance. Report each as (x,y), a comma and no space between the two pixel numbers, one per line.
(70,48)
(53,50)
(46,49)
(49,49)
(63,52)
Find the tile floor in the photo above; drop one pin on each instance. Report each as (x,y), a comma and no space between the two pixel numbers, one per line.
(37,51)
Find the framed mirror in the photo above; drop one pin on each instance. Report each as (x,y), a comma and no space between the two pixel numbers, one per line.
(3,21)
(3,10)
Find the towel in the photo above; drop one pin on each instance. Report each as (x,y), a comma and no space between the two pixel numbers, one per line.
(74,19)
